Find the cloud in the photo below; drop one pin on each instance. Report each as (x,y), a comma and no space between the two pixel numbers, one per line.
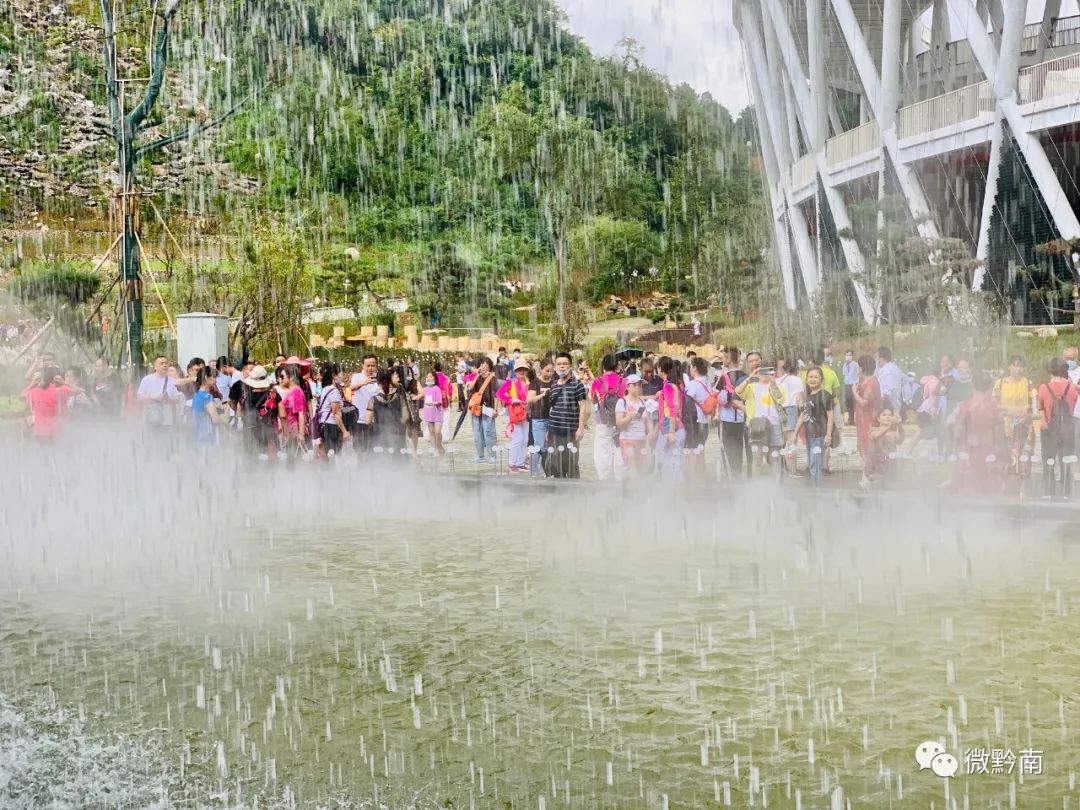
(692,41)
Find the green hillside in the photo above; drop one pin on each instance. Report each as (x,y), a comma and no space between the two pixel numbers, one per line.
(452,143)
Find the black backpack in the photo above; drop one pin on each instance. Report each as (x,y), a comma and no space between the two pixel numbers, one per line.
(608,400)
(1060,427)
(689,417)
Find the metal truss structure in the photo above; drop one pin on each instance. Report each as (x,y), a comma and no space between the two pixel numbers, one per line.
(857,97)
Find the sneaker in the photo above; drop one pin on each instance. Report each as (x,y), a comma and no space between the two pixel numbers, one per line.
(478,460)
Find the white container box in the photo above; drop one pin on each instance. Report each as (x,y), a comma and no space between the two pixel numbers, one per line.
(201,334)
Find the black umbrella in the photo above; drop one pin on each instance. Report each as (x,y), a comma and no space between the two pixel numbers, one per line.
(629,353)
(460,422)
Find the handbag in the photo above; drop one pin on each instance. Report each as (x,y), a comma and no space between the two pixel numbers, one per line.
(712,399)
(154,412)
(759,430)
(476,401)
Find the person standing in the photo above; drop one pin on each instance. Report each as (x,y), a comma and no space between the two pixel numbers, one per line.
(566,420)
(45,397)
(850,372)
(158,396)
(293,416)
(790,382)
(868,403)
(979,437)
(227,375)
(387,416)
(605,393)
(328,412)
(763,399)
(514,394)
(539,401)
(1070,355)
(732,420)
(650,380)
(436,395)
(482,408)
(1018,401)
(890,379)
(631,417)
(1057,401)
(957,389)
(411,397)
(260,411)
(364,385)
(698,390)
(817,419)
(672,435)
(205,410)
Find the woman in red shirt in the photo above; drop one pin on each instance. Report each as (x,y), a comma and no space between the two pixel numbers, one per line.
(867,395)
(46,397)
(1056,437)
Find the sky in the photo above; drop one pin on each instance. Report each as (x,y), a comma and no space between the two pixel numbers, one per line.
(692,41)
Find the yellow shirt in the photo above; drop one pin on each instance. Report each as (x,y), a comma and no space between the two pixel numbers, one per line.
(1014,395)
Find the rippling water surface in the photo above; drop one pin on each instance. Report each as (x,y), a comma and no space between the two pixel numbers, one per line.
(185,635)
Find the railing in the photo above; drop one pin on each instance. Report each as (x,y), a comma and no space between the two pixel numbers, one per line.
(803,172)
(1051,78)
(946,110)
(1066,32)
(1032,32)
(851,144)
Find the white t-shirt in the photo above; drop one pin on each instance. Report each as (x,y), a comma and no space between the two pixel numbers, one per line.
(363,395)
(154,385)
(792,386)
(636,429)
(326,404)
(225,382)
(763,402)
(1074,375)
(698,391)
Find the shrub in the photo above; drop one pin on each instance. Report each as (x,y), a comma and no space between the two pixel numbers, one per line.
(597,350)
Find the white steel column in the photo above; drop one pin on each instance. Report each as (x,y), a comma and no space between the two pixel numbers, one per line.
(1004,83)
(890,66)
(868,75)
(838,208)
(819,88)
(1043,173)
(772,151)
(939,38)
(764,90)
(1046,30)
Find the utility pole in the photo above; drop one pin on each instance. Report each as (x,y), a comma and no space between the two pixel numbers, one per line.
(124,128)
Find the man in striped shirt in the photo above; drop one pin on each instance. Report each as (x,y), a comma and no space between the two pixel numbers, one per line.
(566,422)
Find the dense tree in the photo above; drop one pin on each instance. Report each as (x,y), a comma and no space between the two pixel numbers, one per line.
(474,138)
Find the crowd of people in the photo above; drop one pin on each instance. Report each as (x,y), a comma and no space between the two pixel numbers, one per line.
(649,416)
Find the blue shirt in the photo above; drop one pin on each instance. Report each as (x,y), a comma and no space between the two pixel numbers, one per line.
(851,372)
(200,419)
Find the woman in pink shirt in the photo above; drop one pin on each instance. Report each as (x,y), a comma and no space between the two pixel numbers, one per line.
(514,393)
(672,434)
(292,412)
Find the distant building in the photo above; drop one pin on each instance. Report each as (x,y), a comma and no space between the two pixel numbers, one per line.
(967,110)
